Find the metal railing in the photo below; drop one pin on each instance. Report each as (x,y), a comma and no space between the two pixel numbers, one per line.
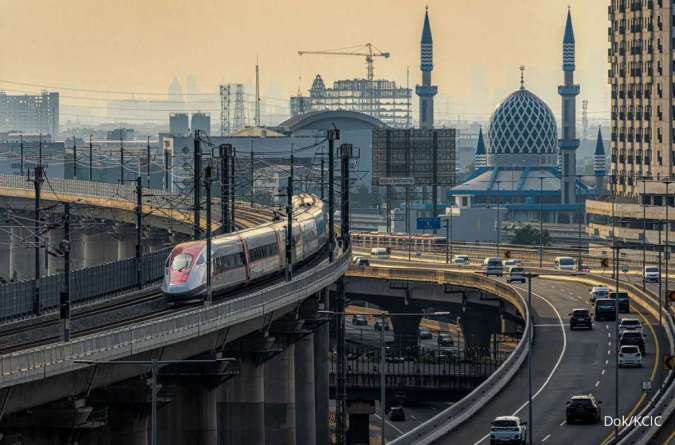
(452,417)
(110,279)
(54,359)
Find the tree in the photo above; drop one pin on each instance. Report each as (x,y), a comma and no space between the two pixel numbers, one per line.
(529,236)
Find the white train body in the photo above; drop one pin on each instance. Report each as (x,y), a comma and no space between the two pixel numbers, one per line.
(244,256)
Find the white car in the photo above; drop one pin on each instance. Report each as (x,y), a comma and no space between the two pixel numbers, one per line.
(461,260)
(629,355)
(599,292)
(512,263)
(508,429)
(516,273)
(630,324)
(652,274)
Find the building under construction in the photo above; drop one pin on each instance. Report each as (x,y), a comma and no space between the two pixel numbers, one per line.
(379,98)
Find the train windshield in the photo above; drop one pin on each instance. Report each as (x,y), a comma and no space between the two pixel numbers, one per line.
(181,262)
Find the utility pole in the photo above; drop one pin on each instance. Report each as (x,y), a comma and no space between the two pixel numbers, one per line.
(121,157)
(289,228)
(91,159)
(207,187)
(64,296)
(232,194)
(332,135)
(74,158)
(148,161)
(225,187)
(21,147)
(322,180)
(139,231)
(345,154)
(251,176)
(541,222)
(196,205)
(37,183)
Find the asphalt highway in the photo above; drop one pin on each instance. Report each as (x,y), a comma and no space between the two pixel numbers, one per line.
(565,363)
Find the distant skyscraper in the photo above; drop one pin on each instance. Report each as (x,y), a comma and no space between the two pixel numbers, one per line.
(569,92)
(175,92)
(179,124)
(38,113)
(202,122)
(426,91)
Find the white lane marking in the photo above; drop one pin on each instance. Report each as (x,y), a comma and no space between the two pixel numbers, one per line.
(609,343)
(555,367)
(609,335)
(388,423)
(607,326)
(563,423)
(606,362)
(545,438)
(603,372)
(609,351)
(597,383)
(413,417)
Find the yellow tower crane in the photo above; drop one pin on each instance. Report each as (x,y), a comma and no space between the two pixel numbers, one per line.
(352,51)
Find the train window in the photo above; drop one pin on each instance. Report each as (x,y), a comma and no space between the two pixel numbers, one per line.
(181,262)
(200,260)
(261,252)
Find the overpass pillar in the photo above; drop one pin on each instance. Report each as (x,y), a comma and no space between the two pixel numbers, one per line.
(406,332)
(305,408)
(321,384)
(126,242)
(359,421)
(99,248)
(478,326)
(280,398)
(22,254)
(191,417)
(5,262)
(76,250)
(55,264)
(241,406)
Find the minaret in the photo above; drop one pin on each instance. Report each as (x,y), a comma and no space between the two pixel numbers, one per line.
(480,157)
(600,164)
(569,143)
(426,91)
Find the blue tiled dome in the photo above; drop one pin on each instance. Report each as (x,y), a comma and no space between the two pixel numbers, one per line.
(522,131)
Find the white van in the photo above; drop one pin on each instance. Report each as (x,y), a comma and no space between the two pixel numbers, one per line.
(379,252)
(493,266)
(565,263)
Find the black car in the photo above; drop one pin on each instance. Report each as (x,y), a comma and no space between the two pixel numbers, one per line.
(624,301)
(379,324)
(425,334)
(445,340)
(605,309)
(583,409)
(360,320)
(580,318)
(634,338)
(396,414)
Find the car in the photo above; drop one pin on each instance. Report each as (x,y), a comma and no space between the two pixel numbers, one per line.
(425,334)
(493,266)
(396,414)
(598,292)
(356,259)
(360,320)
(630,355)
(461,260)
(580,318)
(652,274)
(583,408)
(604,310)
(379,324)
(362,262)
(512,263)
(508,429)
(445,340)
(516,273)
(634,338)
(380,252)
(630,324)
(565,263)
(624,301)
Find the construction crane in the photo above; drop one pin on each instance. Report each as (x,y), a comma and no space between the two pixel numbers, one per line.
(351,51)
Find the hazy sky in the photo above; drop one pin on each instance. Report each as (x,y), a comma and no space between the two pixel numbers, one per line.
(140,45)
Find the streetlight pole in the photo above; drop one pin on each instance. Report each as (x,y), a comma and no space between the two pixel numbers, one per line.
(530,339)
(617,257)
(498,220)
(578,188)
(541,221)
(644,234)
(667,181)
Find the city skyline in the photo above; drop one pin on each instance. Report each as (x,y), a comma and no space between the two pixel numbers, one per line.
(473,68)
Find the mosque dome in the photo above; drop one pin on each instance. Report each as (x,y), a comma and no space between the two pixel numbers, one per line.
(522,132)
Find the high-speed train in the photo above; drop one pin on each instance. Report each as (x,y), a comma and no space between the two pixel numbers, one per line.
(248,255)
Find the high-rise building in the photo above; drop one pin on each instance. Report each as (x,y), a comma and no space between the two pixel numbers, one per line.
(202,122)
(641,79)
(179,124)
(37,113)
(426,91)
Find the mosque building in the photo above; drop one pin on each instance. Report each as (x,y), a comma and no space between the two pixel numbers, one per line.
(525,168)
